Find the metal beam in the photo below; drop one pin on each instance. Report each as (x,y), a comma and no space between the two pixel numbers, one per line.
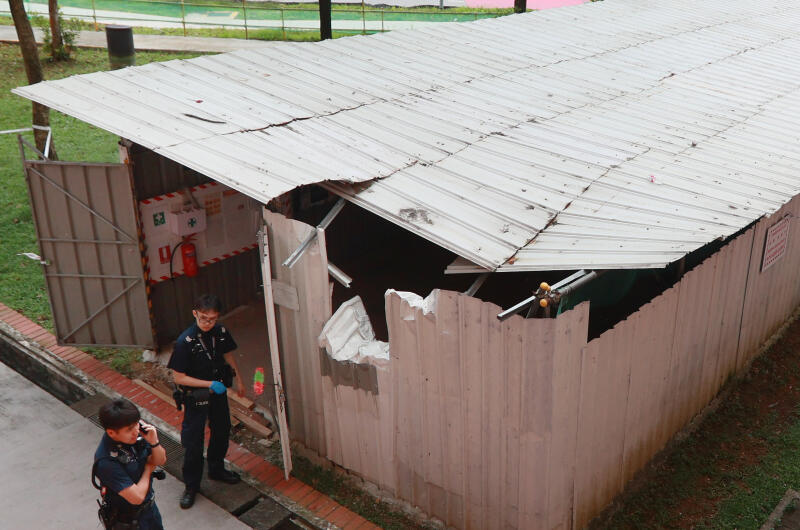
(339,275)
(327,220)
(476,284)
(528,301)
(102,308)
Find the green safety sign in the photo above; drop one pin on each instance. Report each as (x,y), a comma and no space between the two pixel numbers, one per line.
(158,219)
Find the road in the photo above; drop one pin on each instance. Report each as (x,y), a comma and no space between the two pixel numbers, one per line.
(46,452)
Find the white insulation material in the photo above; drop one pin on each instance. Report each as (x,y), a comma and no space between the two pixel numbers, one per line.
(348,335)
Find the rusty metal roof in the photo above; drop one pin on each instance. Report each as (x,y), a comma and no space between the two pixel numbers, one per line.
(615,134)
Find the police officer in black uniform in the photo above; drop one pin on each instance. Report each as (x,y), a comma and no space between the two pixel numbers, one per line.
(204,366)
(124,463)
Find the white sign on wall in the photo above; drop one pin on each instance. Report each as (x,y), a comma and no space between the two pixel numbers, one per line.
(775,243)
(232,221)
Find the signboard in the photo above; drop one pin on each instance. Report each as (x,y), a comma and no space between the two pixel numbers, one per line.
(775,243)
(232,220)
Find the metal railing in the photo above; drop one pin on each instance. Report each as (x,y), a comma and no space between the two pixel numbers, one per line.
(247,16)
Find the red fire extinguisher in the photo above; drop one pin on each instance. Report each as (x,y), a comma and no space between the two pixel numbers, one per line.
(189,257)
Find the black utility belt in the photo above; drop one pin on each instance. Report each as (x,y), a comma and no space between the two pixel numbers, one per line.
(196,396)
(130,514)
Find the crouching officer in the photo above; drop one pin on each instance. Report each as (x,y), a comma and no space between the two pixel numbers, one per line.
(204,366)
(124,465)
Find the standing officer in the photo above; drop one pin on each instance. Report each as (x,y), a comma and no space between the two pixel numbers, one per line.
(124,463)
(204,366)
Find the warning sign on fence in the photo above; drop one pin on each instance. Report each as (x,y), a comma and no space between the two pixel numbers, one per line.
(775,243)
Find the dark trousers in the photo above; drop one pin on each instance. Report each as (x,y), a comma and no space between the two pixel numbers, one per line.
(192,433)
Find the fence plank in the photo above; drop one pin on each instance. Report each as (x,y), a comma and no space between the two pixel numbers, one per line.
(570,337)
(471,333)
(512,418)
(494,399)
(536,422)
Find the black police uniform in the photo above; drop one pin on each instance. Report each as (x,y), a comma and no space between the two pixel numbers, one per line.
(119,466)
(200,354)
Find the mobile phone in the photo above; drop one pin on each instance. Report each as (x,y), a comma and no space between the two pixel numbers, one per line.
(142,428)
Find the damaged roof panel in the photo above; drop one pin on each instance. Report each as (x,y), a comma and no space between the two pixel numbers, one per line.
(615,134)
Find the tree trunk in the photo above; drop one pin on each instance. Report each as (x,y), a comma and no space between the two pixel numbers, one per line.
(520,6)
(57,43)
(33,69)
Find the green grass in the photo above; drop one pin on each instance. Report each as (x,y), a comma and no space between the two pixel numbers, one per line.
(21,280)
(735,468)
(278,11)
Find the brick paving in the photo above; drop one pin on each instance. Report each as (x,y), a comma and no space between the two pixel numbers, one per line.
(269,475)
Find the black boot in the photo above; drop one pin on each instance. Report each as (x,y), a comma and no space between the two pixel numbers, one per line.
(187,499)
(223,475)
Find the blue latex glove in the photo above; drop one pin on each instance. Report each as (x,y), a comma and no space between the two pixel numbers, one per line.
(217,387)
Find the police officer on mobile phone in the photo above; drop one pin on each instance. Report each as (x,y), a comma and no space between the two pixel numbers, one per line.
(203,365)
(125,464)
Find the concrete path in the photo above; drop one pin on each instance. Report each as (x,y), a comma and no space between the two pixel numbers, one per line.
(46,454)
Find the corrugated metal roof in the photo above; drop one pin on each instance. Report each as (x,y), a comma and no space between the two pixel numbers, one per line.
(616,134)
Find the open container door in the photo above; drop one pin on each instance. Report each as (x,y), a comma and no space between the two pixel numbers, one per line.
(87,228)
(274,352)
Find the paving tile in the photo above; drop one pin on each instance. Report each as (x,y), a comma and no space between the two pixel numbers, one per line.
(251,464)
(61,351)
(105,375)
(341,516)
(245,459)
(236,454)
(74,355)
(262,468)
(274,476)
(48,341)
(356,522)
(94,368)
(323,506)
(297,491)
(286,485)
(28,328)
(17,322)
(300,493)
(85,362)
(308,499)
